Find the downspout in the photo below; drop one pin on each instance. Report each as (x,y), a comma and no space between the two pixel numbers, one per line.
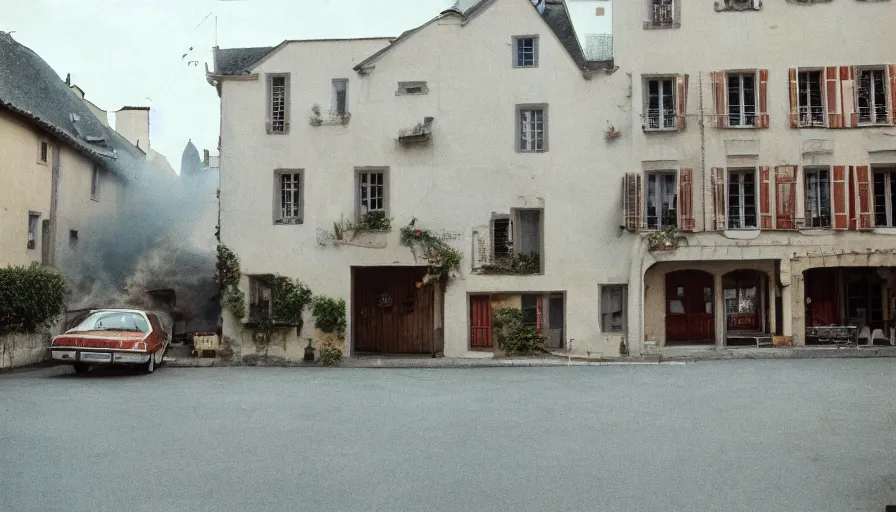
(54,202)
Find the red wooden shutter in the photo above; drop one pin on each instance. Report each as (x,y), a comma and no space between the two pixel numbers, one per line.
(838,193)
(794,99)
(681,85)
(863,197)
(832,95)
(848,96)
(718,198)
(631,201)
(785,197)
(763,98)
(765,210)
(719,98)
(851,196)
(891,72)
(685,200)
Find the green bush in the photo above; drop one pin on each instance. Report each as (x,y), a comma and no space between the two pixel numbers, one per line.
(289,299)
(514,337)
(329,315)
(330,355)
(30,298)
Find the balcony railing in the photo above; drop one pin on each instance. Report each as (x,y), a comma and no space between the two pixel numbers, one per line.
(663,15)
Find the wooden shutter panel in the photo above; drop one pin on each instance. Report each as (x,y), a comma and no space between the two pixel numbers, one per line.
(631,201)
(891,73)
(719,98)
(763,98)
(863,197)
(839,199)
(718,198)
(848,96)
(794,99)
(681,88)
(832,95)
(685,200)
(785,196)
(765,210)
(482,246)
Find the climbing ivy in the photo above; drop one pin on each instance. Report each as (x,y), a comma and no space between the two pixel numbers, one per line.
(443,259)
(228,278)
(514,337)
(329,315)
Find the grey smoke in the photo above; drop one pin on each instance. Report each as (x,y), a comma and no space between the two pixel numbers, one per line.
(163,236)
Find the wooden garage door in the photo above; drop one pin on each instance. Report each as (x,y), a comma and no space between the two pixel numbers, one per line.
(389,313)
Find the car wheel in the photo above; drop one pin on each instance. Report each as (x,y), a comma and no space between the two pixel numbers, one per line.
(151,365)
(81,368)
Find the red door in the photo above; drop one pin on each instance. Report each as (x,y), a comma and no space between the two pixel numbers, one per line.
(480,322)
(689,307)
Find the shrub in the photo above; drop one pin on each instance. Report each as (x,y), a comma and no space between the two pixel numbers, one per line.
(514,337)
(30,298)
(288,300)
(329,315)
(329,355)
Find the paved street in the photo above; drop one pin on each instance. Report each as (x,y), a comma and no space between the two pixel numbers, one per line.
(795,435)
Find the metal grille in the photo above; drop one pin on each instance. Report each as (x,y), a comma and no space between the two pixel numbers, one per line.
(663,13)
(290,197)
(532,130)
(872,96)
(502,246)
(278,104)
(525,52)
(372,192)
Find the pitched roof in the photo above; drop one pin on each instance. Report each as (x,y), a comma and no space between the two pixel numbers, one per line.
(555,15)
(238,61)
(30,88)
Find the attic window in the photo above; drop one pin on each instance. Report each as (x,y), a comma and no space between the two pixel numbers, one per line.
(408,88)
(43,155)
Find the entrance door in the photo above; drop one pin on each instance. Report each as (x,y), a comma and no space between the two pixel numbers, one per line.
(390,314)
(689,307)
(554,332)
(480,322)
(742,292)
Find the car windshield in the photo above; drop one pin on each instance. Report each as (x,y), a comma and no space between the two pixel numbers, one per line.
(113,321)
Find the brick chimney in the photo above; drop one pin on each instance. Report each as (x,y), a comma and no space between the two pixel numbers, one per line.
(133,124)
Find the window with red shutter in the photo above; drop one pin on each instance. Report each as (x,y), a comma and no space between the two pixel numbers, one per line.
(891,77)
(785,197)
(718,198)
(794,98)
(719,97)
(685,200)
(681,88)
(848,96)
(763,98)
(863,197)
(832,96)
(765,210)
(631,201)
(839,198)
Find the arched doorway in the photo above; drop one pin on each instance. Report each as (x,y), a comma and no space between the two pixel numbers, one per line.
(689,307)
(744,301)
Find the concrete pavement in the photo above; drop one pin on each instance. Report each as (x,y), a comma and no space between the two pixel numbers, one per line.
(790,435)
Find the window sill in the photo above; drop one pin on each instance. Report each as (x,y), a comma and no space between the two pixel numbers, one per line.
(650,25)
(742,127)
(742,234)
(659,130)
(297,222)
(94,199)
(874,125)
(42,162)
(530,151)
(886,231)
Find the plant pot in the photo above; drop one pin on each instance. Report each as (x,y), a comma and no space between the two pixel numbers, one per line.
(613,135)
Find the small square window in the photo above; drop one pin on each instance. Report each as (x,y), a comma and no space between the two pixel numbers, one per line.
(411,88)
(340,96)
(372,187)
(73,239)
(525,51)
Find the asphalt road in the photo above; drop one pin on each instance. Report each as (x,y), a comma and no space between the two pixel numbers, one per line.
(794,435)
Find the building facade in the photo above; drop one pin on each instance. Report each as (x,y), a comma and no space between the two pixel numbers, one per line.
(682,192)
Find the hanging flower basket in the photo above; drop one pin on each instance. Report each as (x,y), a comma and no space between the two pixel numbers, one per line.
(613,135)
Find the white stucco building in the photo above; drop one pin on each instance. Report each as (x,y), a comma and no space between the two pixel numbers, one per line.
(491,128)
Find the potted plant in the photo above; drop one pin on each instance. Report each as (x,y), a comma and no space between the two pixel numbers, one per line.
(612,132)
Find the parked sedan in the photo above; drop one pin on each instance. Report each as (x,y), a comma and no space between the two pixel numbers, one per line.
(113,336)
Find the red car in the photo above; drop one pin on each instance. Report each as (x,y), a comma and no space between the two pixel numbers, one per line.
(113,336)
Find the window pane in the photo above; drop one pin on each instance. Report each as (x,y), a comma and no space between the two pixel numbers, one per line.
(278,104)
(749,98)
(734,112)
(652,201)
(653,103)
(668,103)
(880,199)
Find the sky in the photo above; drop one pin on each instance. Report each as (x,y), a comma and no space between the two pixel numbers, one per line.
(130,52)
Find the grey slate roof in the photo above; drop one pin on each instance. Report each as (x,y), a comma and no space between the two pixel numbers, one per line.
(238,61)
(30,88)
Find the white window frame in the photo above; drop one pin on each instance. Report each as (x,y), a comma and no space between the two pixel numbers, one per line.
(808,172)
(654,175)
(363,189)
(334,100)
(742,103)
(606,314)
(873,116)
(742,214)
(528,114)
(272,124)
(297,189)
(661,119)
(95,179)
(516,55)
(33,226)
(809,123)
(889,179)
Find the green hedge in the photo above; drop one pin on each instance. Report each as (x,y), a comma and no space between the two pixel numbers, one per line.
(30,298)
